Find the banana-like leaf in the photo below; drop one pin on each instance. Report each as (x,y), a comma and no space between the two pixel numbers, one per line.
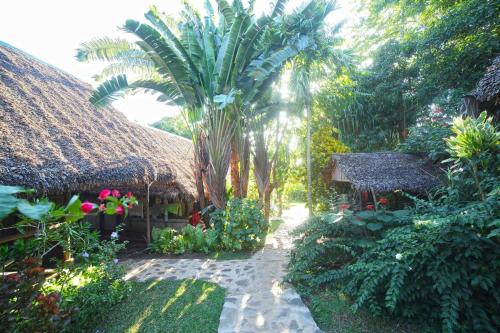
(153,16)
(232,46)
(170,61)
(248,45)
(105,49)
(109,91)
(226,11)
(279,8)
(141,67)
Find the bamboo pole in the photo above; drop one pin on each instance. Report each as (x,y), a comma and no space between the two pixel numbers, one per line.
(374,198)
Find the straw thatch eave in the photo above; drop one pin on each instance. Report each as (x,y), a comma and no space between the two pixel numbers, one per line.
(387,171)
(54,140)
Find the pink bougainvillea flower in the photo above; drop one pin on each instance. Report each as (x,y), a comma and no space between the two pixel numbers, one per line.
(370,207)
(102,207)
(115,193)
(87,207)
(119,210)
(383,201)
(104,194)
(129,194)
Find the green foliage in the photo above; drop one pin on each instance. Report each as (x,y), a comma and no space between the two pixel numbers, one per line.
(86,290)
(427,138)
(241,225)
(188,239)
(439,261)
(174,124)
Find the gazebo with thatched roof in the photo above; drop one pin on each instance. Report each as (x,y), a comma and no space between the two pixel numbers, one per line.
(486,96)
(55,141)
(383,172)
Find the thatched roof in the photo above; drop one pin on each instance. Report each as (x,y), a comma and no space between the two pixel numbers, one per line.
(488,88)
(53,139)
(387,171)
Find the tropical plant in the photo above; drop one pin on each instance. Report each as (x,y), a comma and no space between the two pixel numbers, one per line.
(310,66)
(205,66)
(174,124)
(241,225)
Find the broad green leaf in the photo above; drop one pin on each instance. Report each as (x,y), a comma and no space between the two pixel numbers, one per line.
(401,214)
(5,189)
(384,218)
(366,214)
(358,222)
(374,226)
(36,211)
(494,233)
(8,204)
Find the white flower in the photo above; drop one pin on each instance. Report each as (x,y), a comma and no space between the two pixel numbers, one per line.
(115,261)
(114,235)
(399,256)
(85,255)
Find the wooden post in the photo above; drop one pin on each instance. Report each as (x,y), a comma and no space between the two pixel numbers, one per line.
(374,198)
(148,221)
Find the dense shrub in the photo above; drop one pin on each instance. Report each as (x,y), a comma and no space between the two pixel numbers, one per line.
(241,225)
(85,290)
(440,261)
(188,239)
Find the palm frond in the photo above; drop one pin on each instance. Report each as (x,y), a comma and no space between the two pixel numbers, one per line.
(105,49)
(165,58)
(109,91)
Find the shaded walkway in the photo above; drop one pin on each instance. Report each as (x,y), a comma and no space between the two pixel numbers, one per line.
(256,301)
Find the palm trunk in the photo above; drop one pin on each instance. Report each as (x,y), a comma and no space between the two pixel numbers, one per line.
(308,156)
(245,166)
(235,172)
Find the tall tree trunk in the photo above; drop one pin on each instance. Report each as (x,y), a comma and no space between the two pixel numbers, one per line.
(308,154)
(267,202)
(245,165)
(235,169)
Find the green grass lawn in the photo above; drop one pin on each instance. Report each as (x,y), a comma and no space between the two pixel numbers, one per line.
(332,312)
(166,306)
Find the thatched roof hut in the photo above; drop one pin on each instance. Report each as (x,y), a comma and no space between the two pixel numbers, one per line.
(54,140)
(384,172)
(486,96)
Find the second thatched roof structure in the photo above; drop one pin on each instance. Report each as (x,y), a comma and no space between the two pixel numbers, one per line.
(384,171)
(54,140)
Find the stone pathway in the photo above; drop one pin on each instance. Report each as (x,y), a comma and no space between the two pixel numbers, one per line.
(256,300)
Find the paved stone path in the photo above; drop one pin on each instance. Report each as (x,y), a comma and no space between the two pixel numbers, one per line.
(256,300)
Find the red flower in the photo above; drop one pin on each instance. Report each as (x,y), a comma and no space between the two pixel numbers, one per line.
(104,194)
(119,210)
(115,193)
(370,207)
(13,277)
(87,207)
(383,201)
(129,194)
(344,207)
(102,207)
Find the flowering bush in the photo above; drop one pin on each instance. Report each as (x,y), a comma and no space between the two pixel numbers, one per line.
(26,305)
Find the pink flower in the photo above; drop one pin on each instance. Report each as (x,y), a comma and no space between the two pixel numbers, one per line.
(87,207)
(370,207)
(104,194)
(344,207)
(102,207)
(119,210)
(129,194)
(115,193)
